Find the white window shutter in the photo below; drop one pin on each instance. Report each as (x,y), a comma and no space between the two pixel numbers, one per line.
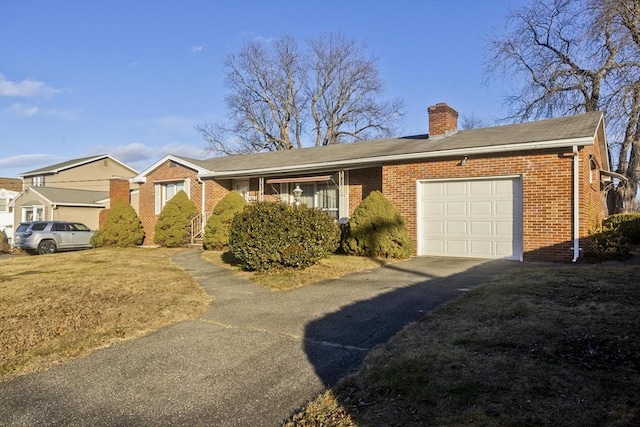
(187,187)
(158,198)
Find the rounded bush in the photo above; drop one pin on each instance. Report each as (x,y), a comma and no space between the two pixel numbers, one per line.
(628,224)
(271,235)
(173,229)
(216,232)
(376,228)
(122,228)
(606,244)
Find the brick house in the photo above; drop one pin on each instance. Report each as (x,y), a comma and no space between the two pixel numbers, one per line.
(526,191)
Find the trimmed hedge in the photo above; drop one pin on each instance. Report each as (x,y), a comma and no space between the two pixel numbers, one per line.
(122,228)
(628,224)
(270,235)
(173,228)
(376,228)
(216,232)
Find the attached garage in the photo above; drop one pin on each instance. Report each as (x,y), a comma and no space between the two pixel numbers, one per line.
(476,218)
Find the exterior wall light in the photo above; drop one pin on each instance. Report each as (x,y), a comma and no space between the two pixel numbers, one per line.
(297,193)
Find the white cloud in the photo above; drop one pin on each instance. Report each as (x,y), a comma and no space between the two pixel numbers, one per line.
(26,88)
(196,49)
(20,110)
(29,161)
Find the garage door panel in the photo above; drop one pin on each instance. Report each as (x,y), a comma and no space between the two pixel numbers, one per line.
(456,227)
(474,218)
(456,208)
(481,249)
(480,207)
(434,208)
(481,228)
(456,247)
(455,189)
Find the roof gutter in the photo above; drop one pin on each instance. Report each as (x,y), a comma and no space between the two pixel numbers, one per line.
(526,146)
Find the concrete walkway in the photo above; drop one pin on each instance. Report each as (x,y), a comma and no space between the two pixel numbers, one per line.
(251,359)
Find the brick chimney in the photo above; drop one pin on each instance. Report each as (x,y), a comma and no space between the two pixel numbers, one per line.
(443,120)
(118,189)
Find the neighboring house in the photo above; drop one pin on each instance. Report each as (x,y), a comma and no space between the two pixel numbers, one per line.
(526,191)
(75,190)
(9,190)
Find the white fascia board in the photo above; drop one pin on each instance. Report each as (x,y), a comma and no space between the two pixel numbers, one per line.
(526,146)
(142,177)
(80,205)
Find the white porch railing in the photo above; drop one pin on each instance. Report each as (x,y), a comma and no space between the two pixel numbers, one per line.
(197,226)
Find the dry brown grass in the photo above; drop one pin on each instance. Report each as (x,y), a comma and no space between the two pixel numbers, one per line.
(281,280)
(557,346)
(57,307)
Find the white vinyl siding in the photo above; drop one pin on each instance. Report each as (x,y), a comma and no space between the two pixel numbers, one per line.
(480,218)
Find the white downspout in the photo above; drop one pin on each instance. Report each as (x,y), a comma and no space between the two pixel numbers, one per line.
(576,205)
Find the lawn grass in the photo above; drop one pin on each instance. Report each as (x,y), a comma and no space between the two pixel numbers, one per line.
(57,307)
(285,279)
(538,346)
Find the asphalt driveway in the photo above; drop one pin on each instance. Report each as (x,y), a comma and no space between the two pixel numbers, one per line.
(251,359)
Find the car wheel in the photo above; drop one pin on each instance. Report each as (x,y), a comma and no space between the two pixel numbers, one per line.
(47,247)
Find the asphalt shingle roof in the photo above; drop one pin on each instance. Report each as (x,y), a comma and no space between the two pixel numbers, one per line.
(564,128)
(71,196)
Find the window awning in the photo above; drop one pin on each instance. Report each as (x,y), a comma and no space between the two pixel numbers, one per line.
(299,179)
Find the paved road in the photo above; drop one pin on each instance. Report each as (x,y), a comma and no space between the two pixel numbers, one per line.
(251,359)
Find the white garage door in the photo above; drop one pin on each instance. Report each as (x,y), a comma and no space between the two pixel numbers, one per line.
(480,218)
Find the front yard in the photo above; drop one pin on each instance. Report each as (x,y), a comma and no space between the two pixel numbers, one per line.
(538,346)
(57,307)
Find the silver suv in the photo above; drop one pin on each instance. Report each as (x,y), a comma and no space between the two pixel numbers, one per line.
(48,237)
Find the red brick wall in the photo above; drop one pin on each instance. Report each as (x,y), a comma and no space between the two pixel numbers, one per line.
(592,204)
(361,183)
(547,194)
(214,191)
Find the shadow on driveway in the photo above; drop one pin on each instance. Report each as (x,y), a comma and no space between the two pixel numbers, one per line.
(360,326)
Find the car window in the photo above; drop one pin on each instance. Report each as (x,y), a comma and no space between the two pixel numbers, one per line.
(79,227)
(38,226)
(22,228)
(59,227)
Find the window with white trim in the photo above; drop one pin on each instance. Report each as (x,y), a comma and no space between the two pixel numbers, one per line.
(164,191)
(32,213)
(37,181)
(3,205)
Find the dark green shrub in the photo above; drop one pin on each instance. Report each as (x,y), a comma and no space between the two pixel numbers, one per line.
(216,232)
(122,228)
(173,228)
(271,235)
(606,244)
(628,224)
(376,228)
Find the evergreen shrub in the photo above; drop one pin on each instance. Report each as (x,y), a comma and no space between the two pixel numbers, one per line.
(270,235)
(377,229)
(216,232)
(628,224)
(606,244)
(122,228)
(173,228)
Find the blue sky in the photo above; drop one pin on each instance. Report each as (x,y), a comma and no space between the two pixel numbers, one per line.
(132,78)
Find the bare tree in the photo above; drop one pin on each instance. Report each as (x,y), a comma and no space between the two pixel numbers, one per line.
(572,56)
(264,101)
(472,121)
(343,93)
(279,96)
